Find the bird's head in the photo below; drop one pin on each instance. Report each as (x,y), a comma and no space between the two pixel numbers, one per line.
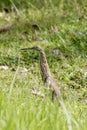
(38,48)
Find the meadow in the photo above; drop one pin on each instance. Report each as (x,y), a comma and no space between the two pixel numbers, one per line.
(60,28)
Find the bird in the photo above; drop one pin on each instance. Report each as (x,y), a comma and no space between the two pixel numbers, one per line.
(45,72)
(50,81)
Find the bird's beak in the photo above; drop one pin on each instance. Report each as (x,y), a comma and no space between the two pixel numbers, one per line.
(26,48)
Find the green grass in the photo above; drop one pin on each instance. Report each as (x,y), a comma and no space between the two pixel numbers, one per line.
(19,108)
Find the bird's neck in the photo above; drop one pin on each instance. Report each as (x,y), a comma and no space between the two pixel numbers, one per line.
(43,58)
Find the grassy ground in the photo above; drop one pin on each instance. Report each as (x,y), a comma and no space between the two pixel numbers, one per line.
(66,51)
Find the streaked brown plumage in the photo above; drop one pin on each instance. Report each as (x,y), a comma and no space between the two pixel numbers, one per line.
(49,81)
(45,72)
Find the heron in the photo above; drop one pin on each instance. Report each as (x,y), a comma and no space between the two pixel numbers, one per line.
(48,80)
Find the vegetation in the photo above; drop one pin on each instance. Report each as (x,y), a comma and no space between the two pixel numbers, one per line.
(61,26)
